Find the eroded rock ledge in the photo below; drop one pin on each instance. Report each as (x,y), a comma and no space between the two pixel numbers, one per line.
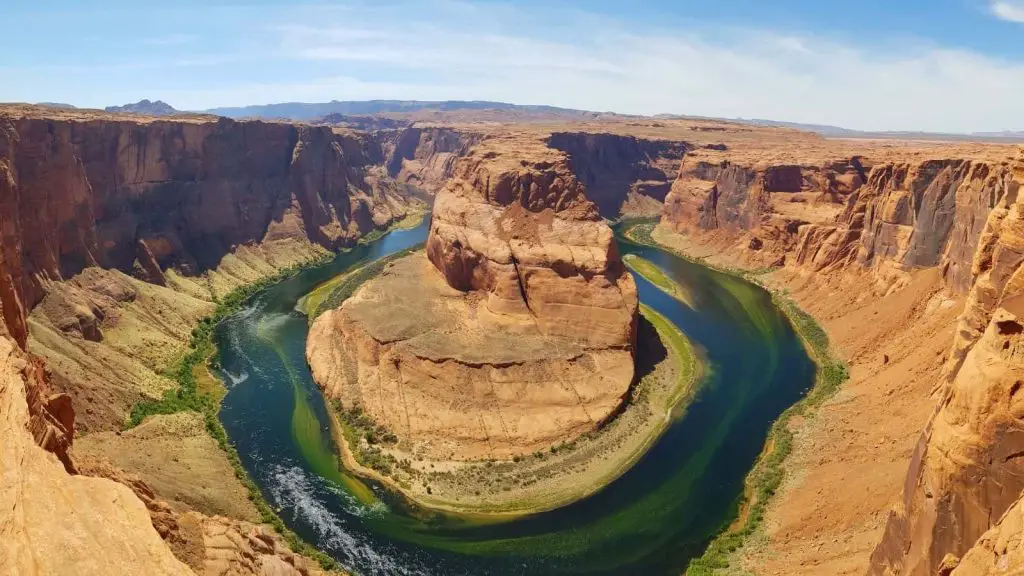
(518,332)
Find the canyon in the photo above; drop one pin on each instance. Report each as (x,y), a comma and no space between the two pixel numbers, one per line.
(120,232)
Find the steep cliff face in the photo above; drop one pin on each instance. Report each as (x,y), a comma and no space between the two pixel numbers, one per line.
(424,157)
(146,196)
(54,522)
(521,332)
(890,217)
(960,216)
(623,174)
(967,471)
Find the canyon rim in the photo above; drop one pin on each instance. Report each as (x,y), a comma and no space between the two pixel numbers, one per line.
(510,361)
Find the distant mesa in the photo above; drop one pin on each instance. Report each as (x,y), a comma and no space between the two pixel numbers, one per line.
(157,108)
(56,105)
(311,111)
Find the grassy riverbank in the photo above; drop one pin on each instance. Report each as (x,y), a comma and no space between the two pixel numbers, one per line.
(655,276)
(199,391)
(332,293)
(550,478)
(767,475)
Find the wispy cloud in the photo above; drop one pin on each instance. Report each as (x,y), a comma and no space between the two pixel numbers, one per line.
(503,53)
(1010,10)
(451,49)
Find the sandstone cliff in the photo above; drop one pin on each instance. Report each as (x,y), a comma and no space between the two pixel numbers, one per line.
(880,217)
(520,332)
(424,157)
(623,174)
(117,233)
(145,195)
(967,472)
(56,523)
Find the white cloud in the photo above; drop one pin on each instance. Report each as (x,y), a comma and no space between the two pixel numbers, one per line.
(442,49)
(1011,10)
(513,55)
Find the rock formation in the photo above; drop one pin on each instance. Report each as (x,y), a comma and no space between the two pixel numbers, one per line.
(967,470)
(53,522)
(424,157)
(520,332)
(622,173)
(889,217)
(145,195)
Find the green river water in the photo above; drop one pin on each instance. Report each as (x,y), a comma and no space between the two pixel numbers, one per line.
(653,519)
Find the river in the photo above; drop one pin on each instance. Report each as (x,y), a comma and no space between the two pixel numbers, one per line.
(652,520)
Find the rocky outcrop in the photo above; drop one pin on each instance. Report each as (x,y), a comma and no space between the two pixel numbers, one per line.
(960,216)
(150,195)
(424,157)
(520,333)
(213,545)
(999,550)
(529,237)
(620,172)
(455,381)
(56,523)
(966,472)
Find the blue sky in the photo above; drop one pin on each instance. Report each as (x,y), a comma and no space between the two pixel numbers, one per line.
(943,65)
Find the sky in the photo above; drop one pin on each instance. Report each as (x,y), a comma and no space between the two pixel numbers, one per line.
(935,65)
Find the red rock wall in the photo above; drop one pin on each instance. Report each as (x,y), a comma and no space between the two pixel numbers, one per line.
(964,217)
(613,166)
(902,216)
(423,157)
(527,235)
(141,197)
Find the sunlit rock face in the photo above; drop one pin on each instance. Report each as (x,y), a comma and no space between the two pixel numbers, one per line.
(514,333)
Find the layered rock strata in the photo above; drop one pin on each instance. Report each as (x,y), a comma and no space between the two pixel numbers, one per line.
(888,217)
(623,174)
(143,196)
(520,332)
(424,157)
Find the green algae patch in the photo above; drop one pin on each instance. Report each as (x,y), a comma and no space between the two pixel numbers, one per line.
(764,480)
(689,366)
(658,278)
(333,292)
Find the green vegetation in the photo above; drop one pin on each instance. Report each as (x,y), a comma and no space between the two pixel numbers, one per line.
(686,379)
(357,426)
(192,396)
(656,276)
(332,293)
(641,233)
(767,476)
